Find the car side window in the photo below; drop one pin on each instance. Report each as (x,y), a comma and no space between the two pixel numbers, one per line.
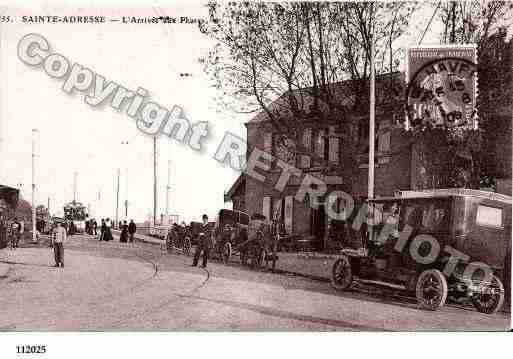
(488,216)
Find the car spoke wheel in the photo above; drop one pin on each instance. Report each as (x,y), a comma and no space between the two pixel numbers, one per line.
(431,289)
(491,297)
(342,275)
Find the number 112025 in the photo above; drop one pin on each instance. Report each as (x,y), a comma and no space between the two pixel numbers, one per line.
(30,349)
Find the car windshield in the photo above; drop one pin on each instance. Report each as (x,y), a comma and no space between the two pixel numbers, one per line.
(427,215)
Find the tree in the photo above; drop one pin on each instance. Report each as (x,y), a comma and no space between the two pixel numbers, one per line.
(287,61)
(456,157)
(23,210)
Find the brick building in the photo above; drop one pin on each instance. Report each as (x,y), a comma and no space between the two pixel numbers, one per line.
(324,139)
(395,160)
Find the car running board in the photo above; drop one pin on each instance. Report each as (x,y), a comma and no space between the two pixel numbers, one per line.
(378,282)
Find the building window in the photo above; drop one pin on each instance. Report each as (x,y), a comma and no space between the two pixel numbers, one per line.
(277,209)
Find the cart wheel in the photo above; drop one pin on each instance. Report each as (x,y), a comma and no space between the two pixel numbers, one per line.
(492,298)
(431,289)
(342,275)
(227,252)
(187,246)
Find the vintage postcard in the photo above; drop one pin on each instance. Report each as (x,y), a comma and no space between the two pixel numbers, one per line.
(255,166)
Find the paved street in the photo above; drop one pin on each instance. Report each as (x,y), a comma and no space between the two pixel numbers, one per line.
(115,286)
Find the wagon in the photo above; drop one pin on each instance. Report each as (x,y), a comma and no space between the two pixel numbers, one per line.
(230,231)
(231,239)
(443,243)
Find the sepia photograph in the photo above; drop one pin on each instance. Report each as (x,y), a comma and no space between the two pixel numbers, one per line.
(255,167)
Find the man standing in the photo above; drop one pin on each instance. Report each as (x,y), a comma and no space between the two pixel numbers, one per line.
(204,243)
(15,233)
(95,227)
(58,239)
(132,228)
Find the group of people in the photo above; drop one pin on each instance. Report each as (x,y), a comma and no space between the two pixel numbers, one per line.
(127,231)
(13,230)
(105,230)
(91,227)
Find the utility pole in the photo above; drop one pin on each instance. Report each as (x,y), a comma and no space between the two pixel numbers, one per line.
(34,237)
(48,206)
(155,181)
(168,187)
(126,185)
(372,119)
(117,202)
(74,187)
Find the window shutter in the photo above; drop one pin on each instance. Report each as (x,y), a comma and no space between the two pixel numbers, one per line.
(266,207)
(384,142)
(268,142)
(334,146)
(289,203)
(307,142)
(277,209)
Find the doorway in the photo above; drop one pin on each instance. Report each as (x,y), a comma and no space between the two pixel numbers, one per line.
(318,225)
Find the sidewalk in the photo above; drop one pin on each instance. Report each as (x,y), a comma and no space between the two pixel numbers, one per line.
(309,264)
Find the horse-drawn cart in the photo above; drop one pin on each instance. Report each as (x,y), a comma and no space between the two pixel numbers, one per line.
(250,239)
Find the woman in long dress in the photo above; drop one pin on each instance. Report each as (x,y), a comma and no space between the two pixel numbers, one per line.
(108,233)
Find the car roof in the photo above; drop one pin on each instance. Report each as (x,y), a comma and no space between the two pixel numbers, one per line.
(446,193)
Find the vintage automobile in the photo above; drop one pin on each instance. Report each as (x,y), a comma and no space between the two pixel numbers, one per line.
(439,243)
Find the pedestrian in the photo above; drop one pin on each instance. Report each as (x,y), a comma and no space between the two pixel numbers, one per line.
(103,228)
(132,228)
(108,233)
(124,233)
(58,239)
(94,227)
(204,243)
(15,233)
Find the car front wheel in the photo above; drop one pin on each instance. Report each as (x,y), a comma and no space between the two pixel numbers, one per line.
(342,274)
(431,289)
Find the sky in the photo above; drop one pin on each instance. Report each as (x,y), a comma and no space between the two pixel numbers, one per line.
(74,137)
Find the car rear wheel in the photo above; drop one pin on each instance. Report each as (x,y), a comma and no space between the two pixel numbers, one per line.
(341,274)
(491,298)
(431,289)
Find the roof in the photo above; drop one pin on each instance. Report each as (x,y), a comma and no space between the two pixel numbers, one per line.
(341,92)
(240,181)
(448,192)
